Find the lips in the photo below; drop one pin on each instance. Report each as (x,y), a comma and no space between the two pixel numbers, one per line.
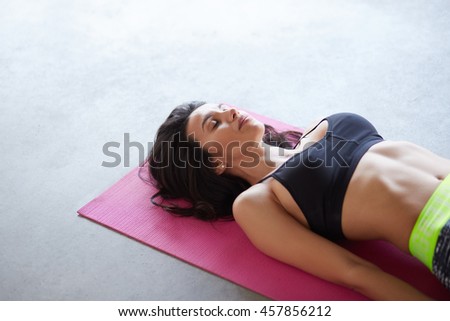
(242,120)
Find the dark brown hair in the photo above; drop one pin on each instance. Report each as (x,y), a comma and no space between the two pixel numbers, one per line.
(181,169)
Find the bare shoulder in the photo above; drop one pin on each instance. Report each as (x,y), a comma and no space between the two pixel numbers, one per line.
(314,131)
(314,123)
(257,196)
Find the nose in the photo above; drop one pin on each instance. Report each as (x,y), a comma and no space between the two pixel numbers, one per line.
(231,114)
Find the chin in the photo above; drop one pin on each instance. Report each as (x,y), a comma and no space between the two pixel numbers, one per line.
(260,130)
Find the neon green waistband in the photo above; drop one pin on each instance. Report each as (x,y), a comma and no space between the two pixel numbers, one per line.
(429,224)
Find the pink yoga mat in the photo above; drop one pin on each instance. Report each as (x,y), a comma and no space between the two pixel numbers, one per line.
(223,249)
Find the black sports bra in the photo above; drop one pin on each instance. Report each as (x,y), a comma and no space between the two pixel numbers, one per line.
(317,177)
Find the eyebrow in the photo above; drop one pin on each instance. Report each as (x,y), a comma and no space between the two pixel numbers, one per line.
(208,116)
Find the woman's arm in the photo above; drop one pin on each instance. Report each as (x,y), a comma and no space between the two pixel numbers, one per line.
(276,233)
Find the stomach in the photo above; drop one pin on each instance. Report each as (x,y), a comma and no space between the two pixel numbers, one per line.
(388,190)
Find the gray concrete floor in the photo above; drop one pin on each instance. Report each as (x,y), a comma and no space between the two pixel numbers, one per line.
(75,75)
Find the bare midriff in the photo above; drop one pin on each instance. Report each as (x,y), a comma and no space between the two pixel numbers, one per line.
(389,189)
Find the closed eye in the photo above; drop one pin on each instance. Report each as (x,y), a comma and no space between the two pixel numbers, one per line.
(215,123)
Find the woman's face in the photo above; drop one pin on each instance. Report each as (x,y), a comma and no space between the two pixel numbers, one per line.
(224,131)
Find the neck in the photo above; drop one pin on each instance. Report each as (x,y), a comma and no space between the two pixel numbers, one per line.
(264,160)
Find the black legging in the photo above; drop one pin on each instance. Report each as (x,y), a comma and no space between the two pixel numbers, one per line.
(441,258)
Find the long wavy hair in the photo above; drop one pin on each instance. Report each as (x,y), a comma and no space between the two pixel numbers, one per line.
(181,170)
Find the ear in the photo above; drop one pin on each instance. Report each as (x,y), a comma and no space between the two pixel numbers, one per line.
(220,168)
